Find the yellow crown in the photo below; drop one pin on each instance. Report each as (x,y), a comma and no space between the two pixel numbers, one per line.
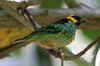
(72,18)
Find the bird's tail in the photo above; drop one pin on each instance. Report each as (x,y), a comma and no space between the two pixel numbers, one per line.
(18,41)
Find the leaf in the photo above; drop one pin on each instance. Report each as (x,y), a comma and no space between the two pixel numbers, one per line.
(91,33)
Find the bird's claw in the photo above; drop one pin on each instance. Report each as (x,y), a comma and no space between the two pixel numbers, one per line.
(55,52)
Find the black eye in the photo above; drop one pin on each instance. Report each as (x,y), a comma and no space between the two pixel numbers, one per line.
(76,17)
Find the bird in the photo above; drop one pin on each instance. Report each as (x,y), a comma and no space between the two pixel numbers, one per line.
(57,34)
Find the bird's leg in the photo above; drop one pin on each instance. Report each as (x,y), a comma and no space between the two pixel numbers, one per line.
(54,52)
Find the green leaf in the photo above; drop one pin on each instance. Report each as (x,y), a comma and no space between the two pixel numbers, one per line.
(51,4)
(91,33)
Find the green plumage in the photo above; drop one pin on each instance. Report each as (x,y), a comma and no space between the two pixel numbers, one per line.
(55,35)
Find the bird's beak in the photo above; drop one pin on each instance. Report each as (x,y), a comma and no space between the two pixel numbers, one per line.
(82,20)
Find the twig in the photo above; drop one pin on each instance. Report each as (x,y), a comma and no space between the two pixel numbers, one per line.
(23,5)
(92,17)
(97,48)
(18,16)
(66,57)
(11,48)
(33,22)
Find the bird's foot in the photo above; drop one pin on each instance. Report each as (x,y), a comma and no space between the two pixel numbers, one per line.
(55,52)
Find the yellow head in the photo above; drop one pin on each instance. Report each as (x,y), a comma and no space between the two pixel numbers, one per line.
(75,19)
(72,18)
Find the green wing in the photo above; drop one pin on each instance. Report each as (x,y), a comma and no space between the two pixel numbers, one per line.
(54,28)
(50,29)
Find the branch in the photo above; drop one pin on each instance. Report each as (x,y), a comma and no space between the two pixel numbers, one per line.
(19,4)
(18,16)
(67,51)
(71,56)
(47,16)
(5,51)
(22,6)
(51,15)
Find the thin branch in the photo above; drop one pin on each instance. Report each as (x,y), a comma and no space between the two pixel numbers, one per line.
(47,16)
(18,16)
(33,22)
(5,51)
(51,15)
(67,57)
